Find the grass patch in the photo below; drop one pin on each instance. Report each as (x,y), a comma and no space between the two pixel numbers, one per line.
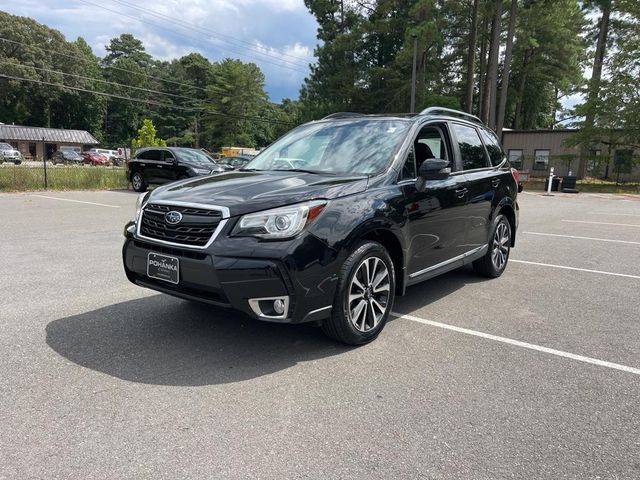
(21,178)
(590,185)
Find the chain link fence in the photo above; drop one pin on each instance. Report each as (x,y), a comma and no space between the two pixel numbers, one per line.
(34,176)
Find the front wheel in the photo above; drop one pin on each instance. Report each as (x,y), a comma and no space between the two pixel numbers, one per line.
(495,261)
(138,182)
(364,296)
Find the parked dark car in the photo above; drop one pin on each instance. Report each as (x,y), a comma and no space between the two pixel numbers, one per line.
(332,221)
(159,165)
(233,163)
(67,157)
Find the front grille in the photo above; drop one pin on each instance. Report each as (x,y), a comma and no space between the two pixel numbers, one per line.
(195,229)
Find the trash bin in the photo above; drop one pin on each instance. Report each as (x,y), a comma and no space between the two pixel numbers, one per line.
(569,184)
(555,183)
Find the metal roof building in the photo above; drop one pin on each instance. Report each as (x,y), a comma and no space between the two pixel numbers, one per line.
(18,133)
(34,141)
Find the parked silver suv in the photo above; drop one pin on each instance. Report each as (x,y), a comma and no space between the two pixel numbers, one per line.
(9,154)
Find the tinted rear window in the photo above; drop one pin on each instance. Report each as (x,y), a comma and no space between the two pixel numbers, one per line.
(471,147)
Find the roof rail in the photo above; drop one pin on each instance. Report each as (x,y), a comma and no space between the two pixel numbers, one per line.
(343,115)
(433,110)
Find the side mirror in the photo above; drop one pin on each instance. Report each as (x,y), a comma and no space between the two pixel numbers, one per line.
(434,169)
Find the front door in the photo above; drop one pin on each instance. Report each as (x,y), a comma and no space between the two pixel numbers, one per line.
(436,214)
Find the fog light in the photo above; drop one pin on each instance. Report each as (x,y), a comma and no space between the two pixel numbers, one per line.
(278,306)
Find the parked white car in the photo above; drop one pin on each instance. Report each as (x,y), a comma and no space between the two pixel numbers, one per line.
(9,154)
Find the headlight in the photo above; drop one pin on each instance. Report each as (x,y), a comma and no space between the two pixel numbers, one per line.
(139,203)
(280,222)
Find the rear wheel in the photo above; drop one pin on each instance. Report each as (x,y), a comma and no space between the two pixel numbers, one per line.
(137,182)
(364,296)
(495,261)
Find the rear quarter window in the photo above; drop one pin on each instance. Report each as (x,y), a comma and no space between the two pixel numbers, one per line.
(496,154)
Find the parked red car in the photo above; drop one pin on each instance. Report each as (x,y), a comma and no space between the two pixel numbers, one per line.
(92,158)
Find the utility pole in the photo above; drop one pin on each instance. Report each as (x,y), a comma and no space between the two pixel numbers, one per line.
(412,109)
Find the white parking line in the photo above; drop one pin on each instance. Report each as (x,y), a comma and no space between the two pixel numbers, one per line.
(617,214)
(583,238)
(77,201)
(518,343)
(575,268)
(603,223)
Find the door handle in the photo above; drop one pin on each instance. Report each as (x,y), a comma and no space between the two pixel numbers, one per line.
(461,192)
(495,182)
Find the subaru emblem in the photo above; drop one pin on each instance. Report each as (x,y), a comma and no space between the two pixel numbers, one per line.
(173,217)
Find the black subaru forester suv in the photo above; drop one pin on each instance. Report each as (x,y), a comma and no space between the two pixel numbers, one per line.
(332,221)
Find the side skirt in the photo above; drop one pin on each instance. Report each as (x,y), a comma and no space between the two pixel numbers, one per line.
(447,265)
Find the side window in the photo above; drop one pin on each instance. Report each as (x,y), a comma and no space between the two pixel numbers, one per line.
(493,147)
(471,148)
(167,156)
(429,143)
(153,155)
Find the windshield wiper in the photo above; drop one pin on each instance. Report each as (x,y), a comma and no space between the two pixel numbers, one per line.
(249,170)
(301,170)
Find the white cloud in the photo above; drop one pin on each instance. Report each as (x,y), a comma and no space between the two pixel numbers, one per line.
(278,35)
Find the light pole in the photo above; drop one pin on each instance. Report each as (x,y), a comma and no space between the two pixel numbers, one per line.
(412,109)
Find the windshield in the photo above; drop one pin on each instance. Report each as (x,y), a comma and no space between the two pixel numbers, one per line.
(5,146)
(195,157)
(70,154)
(355,147)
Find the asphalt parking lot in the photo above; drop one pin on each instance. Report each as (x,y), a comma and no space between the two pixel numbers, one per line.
(532,375)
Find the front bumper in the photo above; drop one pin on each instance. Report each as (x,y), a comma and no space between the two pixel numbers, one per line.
(236,276)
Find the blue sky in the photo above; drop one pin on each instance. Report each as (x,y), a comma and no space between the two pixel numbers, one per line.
(278,35)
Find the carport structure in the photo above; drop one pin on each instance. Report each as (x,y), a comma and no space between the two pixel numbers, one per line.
(34,142)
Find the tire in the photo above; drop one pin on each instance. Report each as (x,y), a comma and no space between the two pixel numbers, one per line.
(137,182)
(17,162)
(350,322)
(495,261)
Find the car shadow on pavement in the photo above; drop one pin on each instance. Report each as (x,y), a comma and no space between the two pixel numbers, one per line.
(422,294)
(165,341)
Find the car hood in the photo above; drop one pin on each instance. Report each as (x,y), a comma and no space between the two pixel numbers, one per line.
(247,192)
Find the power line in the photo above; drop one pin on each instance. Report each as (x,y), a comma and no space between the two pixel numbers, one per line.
(148,102)
(112,67)
(297,60)
(148,90)
(83,59)
(297,68)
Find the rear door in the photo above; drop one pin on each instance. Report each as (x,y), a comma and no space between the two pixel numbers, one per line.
(436,215)
(480,179)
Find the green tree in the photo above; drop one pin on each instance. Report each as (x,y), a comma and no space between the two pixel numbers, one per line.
(128,65)
(235,93)
(147,136)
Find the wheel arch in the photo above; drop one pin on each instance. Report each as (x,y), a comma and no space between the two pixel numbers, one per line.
(389,240)
(507,210)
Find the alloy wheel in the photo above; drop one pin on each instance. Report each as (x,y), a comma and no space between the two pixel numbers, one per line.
(137,182)
(501,242)
(369,293)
